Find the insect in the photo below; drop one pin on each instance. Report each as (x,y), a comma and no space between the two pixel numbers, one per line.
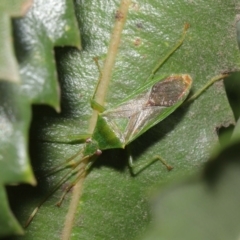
(119,126)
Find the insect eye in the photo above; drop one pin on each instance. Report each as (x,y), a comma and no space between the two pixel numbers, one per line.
(88,140)
(98,152)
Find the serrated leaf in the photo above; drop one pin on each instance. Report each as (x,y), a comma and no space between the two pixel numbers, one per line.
(45,26)
(8,63)
(14,161)
(10,225)
(114,203)
(36,35)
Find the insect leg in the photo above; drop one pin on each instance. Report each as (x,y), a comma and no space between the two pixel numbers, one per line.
(56,187)
(178,44)
(94,105)
(81,173)
(206,86)
(79,176)
(137,168)
(98,66)
(69,163)
(68,139)
(75,165)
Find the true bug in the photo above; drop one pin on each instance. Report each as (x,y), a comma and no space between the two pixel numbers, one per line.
(119,126)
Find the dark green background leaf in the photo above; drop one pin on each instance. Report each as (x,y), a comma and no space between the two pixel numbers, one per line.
(44,27)
(8,62)
(202,207)
(114,203)
(35,38)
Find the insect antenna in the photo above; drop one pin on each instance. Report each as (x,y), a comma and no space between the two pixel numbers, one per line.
(76,166)
(79,176)
(69,163)
(34,212)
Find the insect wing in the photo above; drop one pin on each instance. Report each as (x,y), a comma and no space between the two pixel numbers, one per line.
(122,114)
(137,115)
(164,98)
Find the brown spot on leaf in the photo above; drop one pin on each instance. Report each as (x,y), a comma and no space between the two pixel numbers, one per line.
(139,25)
(135,6)
(119,15)
(137,42)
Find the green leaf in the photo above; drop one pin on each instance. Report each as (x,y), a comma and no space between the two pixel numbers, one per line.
(10,224)
(44,27)
(112,203)
(202,207)
(35,38)
(14,165)
(8,9)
